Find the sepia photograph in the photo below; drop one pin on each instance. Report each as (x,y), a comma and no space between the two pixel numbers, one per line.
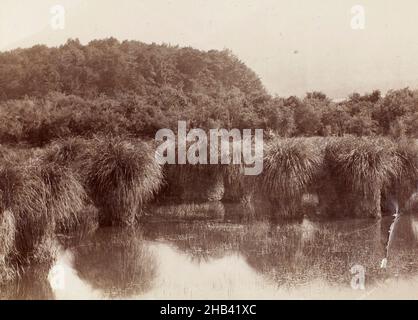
(208,150)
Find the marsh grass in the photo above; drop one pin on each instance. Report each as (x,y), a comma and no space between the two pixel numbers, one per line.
(70,159)
(36,197)
(66,198)
(291,166)
(403,184)
(119,175)
(24,195)
(74,153)
(357,169)
(120,178)
(7,245)
(76,184)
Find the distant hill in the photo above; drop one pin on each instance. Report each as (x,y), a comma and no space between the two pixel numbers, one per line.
(120,88)
(109,66)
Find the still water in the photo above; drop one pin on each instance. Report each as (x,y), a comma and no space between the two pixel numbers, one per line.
(213,250)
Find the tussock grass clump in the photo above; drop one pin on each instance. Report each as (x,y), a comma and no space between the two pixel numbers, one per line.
(5,153)
(291,166)
(15,154)
(357,170)
(120,177)
(73,153)
(34,198)
(24,194)
(403,184)
(67,200)
(7,244)
(71,159)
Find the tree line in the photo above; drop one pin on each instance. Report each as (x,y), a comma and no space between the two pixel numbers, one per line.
(131,88)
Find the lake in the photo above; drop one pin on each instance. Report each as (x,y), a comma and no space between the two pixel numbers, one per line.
(221,251)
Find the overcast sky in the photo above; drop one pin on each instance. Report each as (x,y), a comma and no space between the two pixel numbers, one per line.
(294,46)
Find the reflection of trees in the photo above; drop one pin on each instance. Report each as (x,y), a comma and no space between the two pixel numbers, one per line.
(115,261)
(288,253)
(300,252)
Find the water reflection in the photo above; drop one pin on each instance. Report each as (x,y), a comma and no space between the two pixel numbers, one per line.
(33,285)
(236,255)
(118,262)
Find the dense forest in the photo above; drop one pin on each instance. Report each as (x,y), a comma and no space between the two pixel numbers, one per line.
(133,89)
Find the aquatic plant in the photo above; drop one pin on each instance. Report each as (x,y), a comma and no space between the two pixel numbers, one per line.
(356,170)
(73,153)
(24,195)
(404,182)
(291,166)
(120,177)
(7,244)
(66,199)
